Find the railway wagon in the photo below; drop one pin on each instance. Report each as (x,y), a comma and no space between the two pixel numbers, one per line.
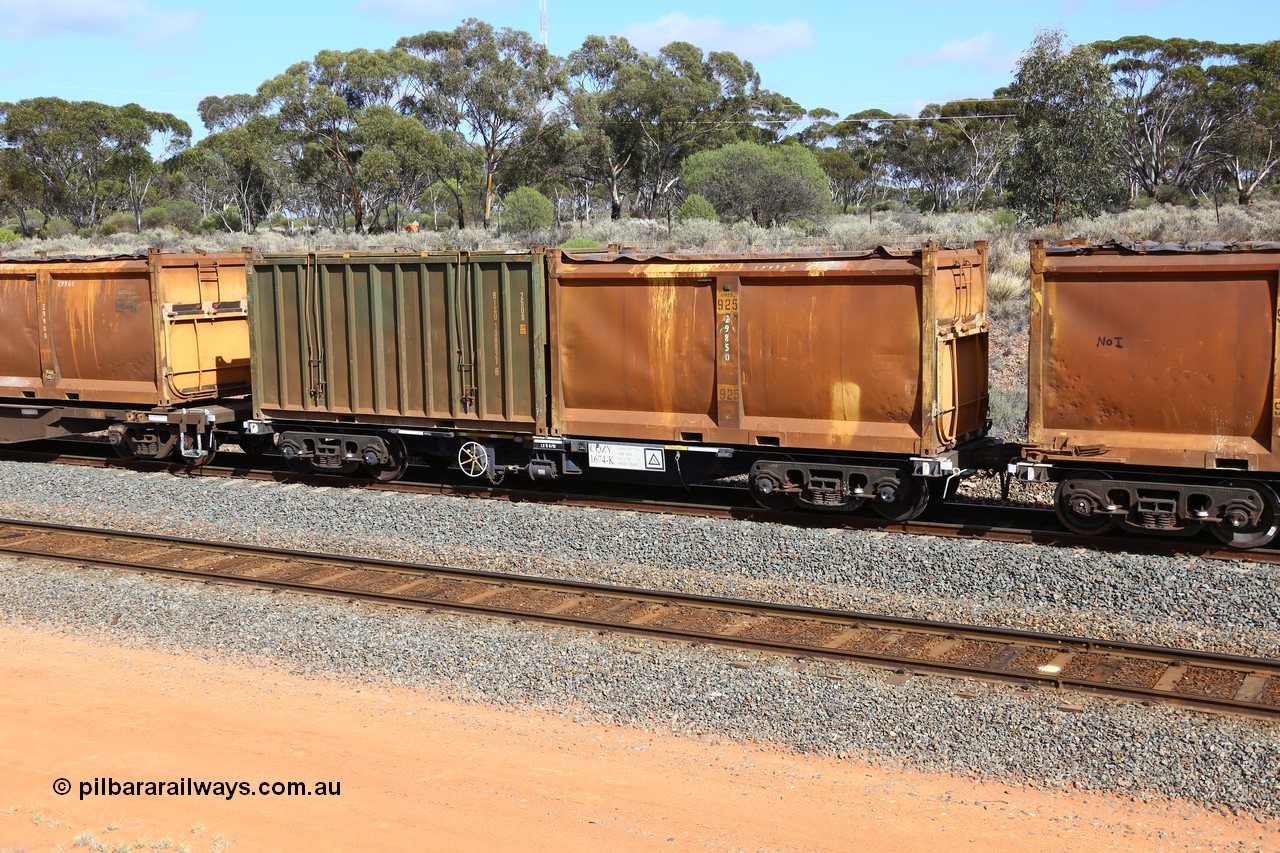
(1154,397)
(834,378)
(827,378)
(360,358)
(154,346)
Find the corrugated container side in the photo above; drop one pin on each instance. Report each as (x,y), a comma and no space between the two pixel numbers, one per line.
(1158,358)
(880,352)
(400,339)
(160,330)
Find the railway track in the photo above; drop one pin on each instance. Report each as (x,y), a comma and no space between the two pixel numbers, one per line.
(1220,682)
(968,520)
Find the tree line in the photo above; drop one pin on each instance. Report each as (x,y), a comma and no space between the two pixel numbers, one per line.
(442,127)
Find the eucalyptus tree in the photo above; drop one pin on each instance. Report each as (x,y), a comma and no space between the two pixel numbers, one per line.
(642,115)
(1068,131)
(321,107)
(985,129)
(685,102)
(235,166)
(401,159)
(83,152)
(491,88)
(852,153)
(1177,100)
(1249,147)
(764,184)
(773,118)
(22,190)
(926,155)
(138,132)
(606,112)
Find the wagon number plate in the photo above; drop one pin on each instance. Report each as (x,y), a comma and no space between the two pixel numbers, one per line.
(627,457)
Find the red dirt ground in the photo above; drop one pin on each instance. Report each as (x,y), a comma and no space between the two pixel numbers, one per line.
(418,773)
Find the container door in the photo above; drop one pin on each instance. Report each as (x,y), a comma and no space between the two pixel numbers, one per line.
(19,336)
(962,386)
(501,344)
(959,294)
(206,327)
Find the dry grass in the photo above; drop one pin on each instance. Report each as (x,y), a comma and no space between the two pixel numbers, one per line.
(1004,285)
(1008,244)
(1008,279)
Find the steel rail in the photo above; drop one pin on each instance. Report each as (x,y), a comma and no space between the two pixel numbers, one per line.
(991,522)
(1229,683)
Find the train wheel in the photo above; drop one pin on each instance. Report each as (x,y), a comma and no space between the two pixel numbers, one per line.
(1235,531)
(901,501)
(473,459)
(255,445)
(1078,514)
(293,457)
(119,440)
(394,469)
(767,492)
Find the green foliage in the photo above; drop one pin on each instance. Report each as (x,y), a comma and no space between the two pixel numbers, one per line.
(7,236)
(580,243)
(227,219)
(1194,109)
(432,128)
(116,223)
(640,116)
(766,185)
(87,152)
(526,210)
(56,228)
(156,216)
(481,85)
(1004,218)
(1069,127)
(182,214)
(696,207)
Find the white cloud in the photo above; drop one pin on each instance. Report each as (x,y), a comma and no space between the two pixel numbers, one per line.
(25,19)
(168,72)
(985,51)
(18,69)
(751,41)
(146,21)
(424,11)
(163,26)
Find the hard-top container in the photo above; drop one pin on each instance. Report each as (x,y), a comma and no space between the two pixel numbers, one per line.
(452,339)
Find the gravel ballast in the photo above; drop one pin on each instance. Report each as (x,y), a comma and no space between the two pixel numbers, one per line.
(1170,601)
(1035,737)
(1030,736)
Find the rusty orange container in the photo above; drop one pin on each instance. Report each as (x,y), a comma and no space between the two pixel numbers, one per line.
(879,351)
(152,330)
(1155,355)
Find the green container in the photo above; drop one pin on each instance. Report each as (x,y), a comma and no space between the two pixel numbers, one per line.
(448,340)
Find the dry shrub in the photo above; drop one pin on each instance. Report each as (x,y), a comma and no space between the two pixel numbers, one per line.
(1171,224)
(1004,286)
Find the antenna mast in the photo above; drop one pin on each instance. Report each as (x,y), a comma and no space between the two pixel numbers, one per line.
(542,19)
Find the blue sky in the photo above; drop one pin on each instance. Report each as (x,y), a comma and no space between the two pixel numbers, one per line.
(846,57)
